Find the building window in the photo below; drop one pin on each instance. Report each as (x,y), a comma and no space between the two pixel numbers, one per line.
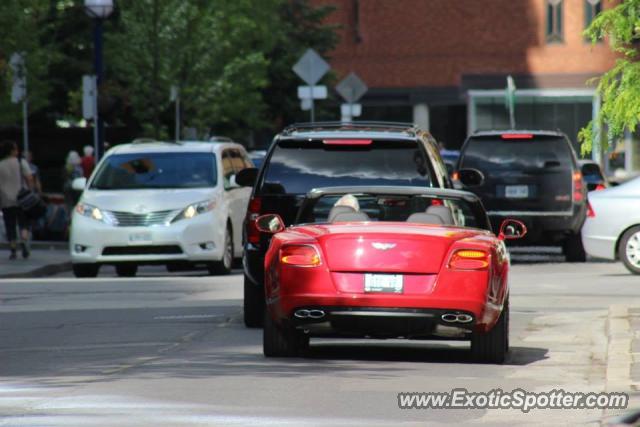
(591,9)
(554,21)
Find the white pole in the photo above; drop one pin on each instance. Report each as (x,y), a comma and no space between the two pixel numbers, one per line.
(178,117)
(25,125)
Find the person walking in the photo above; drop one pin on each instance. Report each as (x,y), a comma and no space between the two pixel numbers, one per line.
(88,162)
(72,170)
(15,174)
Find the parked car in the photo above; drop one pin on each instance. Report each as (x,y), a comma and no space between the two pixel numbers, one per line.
(592,175)
(356,276)
(161,203)
(304,157)
(532,176)
(257,157)
(612,229)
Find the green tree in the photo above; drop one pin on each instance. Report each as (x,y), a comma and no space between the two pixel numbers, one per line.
(214,50)
(24,27)
(301,26)
(619,88)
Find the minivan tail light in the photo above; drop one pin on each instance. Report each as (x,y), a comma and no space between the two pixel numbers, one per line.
(300,255)
(578,187)
(253,212)
(590,212)
(599,187)
(517,136)
(347,141)
(469,259)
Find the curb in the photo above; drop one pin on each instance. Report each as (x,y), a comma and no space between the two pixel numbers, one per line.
(42,244)
(44,271)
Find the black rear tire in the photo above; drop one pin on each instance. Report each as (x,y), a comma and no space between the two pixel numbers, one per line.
(573,249)
(253,304)
(282,341)
(623,254)
(85,270)
(493,346)
(126,270)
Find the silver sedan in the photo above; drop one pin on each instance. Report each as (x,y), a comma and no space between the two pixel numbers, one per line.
(612,229)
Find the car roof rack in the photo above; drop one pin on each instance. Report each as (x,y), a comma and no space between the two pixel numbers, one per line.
(357,125)
(220,139)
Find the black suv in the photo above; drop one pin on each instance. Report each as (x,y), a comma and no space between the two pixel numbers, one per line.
(308,156)
(532,176)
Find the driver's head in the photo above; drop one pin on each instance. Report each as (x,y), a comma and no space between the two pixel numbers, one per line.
(348,200)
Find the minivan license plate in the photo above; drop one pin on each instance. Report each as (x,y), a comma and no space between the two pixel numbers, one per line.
(390,283)
(138,238)
(516,191)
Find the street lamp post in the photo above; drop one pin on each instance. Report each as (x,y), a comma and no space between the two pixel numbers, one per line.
(99,10)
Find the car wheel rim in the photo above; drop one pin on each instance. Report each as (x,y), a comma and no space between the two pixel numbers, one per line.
(228,251)
(633,249)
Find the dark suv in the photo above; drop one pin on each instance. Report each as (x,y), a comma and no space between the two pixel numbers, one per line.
(533,176)
(308,156)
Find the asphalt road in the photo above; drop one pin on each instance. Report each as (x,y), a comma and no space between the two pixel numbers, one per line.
(163,350)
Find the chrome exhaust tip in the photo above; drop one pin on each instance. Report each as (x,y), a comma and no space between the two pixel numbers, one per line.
(456,318)
(301,314)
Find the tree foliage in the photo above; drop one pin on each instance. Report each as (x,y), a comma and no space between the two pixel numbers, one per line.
(25,26)
(619,88)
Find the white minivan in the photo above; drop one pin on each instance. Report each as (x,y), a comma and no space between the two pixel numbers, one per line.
(152,202)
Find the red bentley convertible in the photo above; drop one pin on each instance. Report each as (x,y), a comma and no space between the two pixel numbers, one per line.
(392,262)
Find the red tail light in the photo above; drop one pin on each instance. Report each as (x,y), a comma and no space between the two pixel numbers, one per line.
(300,255)
(599,187)
(578,187)
(253,211)
(516,136)
(469,259)
(590,212)
(455,176)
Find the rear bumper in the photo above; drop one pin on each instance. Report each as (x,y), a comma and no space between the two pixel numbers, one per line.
(383,322)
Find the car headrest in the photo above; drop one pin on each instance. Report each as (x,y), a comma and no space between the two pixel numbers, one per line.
(350,216)
(425,218)
(443,212)
(339,209)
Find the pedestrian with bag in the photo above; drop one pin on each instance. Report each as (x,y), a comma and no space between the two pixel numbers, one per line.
(15,179)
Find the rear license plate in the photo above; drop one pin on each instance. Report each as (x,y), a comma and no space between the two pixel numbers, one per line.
(516,191)
(138,238)
(389,283)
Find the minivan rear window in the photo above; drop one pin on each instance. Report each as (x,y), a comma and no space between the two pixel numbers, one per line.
(295,166)
(495,154)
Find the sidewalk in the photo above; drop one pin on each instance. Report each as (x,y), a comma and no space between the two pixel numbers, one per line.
(47,258)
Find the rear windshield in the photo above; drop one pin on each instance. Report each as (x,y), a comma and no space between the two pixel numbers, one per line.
(156,170)
(494,154)
(589,170)
(295,167)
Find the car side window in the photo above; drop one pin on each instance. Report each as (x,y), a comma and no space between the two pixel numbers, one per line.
(237,161)
(227,168)
(247,161)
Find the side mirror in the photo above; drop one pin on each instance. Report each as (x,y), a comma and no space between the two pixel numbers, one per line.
(233,183)
(471,177)
(79,184)
(247,177)
(270,223)
(512,229)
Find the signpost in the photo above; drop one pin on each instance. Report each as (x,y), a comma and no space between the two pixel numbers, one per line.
(19,93)
(175,97)
(311,67)
(90,107)
(351,88)
(510,101)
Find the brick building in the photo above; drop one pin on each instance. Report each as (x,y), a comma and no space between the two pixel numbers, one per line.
(444,63)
